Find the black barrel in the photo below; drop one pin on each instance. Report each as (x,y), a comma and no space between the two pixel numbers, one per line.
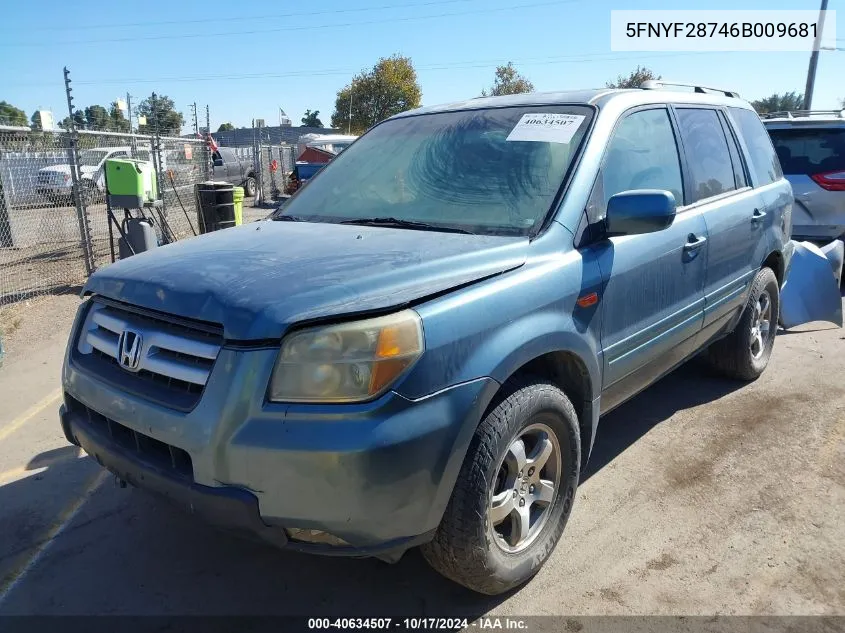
(215,206)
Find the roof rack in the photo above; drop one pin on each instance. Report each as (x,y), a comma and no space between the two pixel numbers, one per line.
(656,84)
(794,114)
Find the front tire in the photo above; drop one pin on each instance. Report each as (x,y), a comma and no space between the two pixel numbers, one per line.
(745,352)
(514,493)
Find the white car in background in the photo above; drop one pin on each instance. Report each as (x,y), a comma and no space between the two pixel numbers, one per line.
(55,184)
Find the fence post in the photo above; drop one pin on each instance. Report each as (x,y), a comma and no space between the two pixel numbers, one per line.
(157,164)
(73,161)
(260,171)
(7,240)
(208,165)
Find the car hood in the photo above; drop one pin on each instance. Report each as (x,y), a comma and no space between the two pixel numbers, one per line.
(65,169)
(258,279)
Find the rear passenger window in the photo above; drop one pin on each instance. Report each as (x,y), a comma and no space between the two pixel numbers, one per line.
(641,155)
(736,162)
(707,153)
(764,161)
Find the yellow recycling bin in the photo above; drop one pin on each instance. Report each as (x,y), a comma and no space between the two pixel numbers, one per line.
(239,205)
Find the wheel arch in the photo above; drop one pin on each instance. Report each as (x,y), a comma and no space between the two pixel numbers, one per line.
(568,371)
(774,260)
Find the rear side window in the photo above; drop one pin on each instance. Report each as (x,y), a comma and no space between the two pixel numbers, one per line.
(739,173)
(707,153)
(641,155)
(764,161)
(810,151)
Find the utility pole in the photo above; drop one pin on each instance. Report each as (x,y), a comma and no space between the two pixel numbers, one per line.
(195,118)
(132,143)
(814,60)
(349,123)
(129,110)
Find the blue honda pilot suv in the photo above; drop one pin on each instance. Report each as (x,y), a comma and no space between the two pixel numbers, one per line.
(415,349)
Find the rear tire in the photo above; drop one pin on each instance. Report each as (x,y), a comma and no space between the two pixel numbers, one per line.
(249,187)
(745,352)
(484,542)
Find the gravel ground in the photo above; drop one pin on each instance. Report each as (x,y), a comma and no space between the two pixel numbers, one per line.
(704,496)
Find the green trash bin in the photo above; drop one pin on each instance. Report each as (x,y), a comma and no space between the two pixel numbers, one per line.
(131,183)
(239,205)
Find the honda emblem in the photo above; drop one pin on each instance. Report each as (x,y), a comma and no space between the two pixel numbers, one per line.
(129,348)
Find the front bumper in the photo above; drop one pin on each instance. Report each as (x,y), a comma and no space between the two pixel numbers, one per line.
(375,475)
(54,192)
(230,508)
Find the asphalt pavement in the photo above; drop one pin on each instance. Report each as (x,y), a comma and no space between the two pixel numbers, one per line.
(704,496)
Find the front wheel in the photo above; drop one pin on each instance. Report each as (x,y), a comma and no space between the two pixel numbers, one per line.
(514,492)
(249,187)
(745,352)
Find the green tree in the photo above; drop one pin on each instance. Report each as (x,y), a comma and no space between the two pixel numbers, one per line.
(390,87)
(312,119)
(78,118)
(170,121)
(225,127)
(10,115)
(508,81)
(35,121)
(97,117)
(635,79)
(779,103)
(117,120)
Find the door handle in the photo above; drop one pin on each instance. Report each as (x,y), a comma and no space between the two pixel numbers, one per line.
(694,243)
(757,216)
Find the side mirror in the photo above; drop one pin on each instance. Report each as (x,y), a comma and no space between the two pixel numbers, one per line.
(640,211)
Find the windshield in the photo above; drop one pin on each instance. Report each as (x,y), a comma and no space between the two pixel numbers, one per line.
(486,171)
(92,157)
(810,151)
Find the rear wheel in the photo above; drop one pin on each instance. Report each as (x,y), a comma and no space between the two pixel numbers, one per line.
(249,186)
(745,352)
(514,492)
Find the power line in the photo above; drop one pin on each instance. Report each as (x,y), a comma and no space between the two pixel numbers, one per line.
(239,18)
(292,28)
(458,65)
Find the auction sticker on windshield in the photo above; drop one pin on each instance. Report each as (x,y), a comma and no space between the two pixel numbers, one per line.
(546,127)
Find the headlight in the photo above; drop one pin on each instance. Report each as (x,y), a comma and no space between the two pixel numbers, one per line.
(348,362)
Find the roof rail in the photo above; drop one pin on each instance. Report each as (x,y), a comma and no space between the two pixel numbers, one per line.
(794,114)
(656,84)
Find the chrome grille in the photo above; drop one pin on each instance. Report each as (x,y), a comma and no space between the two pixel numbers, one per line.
(172,358)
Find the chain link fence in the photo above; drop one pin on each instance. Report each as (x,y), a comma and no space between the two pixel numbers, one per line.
(274,165)
(41,246)
(54,227)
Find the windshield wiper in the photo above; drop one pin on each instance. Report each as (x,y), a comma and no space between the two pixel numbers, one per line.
(406,224)
(287,218)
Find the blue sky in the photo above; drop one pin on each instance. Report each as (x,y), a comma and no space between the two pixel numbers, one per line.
(299,60)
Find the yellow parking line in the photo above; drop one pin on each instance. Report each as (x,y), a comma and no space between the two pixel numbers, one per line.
(17,473)
(22,419)
(62,521)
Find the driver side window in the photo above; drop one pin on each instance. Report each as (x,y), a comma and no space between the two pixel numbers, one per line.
(642,154)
